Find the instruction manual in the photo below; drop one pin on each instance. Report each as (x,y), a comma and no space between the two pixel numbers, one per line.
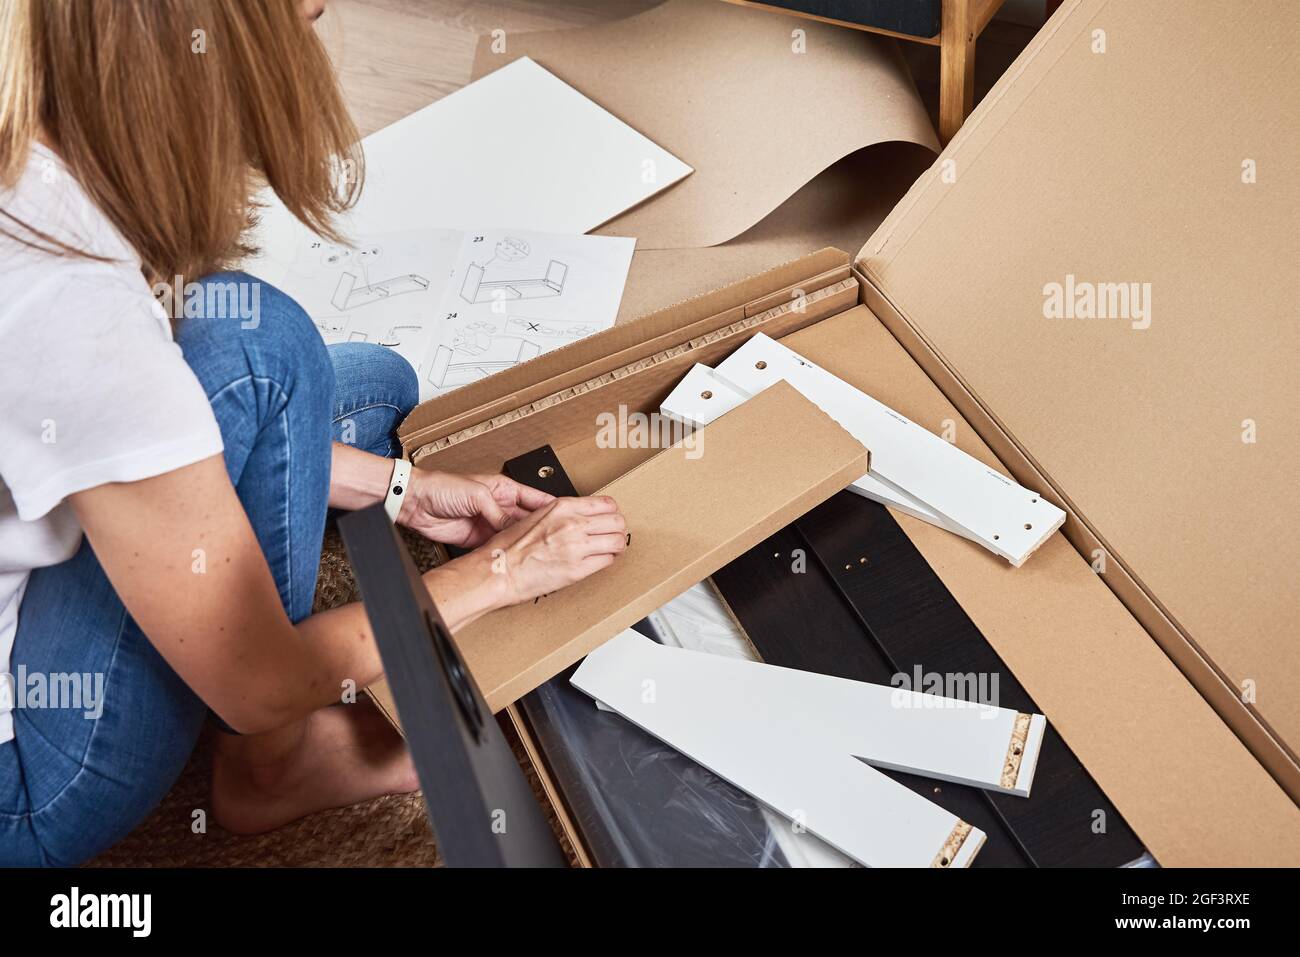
(461,305)
(433,272)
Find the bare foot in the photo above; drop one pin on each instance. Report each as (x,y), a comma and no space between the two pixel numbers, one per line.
(337,757)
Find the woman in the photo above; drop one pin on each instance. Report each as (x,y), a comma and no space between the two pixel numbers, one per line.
(164,485)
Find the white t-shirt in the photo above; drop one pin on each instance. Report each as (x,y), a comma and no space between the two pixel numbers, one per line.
(92,387)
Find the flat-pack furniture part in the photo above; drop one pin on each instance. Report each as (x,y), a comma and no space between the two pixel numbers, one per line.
(913,468)
(1131,345)
(949,739)
(1139,630)
(469,775)
(703,395)
(812,781)
(677,537)
(843,591)
(1086,660)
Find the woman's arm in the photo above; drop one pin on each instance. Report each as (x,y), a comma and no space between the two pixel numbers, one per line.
(357,478)
(464,510)
(180,553)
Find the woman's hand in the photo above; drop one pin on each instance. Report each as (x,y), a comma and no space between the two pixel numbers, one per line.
(557,546)
(466,510)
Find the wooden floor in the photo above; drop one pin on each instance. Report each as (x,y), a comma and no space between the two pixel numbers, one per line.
(396,56)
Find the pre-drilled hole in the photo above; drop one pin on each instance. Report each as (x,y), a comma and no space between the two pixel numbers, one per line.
(706,394)
(996,537)
(760,364)
(546,471)
(1028,526)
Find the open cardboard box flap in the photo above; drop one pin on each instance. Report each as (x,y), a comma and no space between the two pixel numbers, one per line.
(1183,781)
(1117,159)
(690,509)
(1063,405)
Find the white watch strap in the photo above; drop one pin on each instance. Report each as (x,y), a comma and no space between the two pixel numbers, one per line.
(397,488)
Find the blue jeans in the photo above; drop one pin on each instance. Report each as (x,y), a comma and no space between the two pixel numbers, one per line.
(71,786)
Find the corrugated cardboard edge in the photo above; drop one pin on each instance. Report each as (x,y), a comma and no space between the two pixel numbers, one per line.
(1255,824)
(563,814)
(844,290)
(421,426)
(845,461)
(1177,642)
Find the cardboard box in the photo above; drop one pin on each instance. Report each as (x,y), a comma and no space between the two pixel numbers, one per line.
(1143,157)
(1183,781)
(687,513)
(1137,663)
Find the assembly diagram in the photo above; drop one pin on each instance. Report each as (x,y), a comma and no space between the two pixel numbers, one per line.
(478,349)
(478,286)
(549,328)
(349,295)
(460,305)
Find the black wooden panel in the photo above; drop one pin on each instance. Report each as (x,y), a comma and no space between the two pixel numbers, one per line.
(469,776)
(914,620)
(797,619)
(917,18)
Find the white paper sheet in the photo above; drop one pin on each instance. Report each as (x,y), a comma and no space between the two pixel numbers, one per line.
(457,305)
(519,148)
(516,294)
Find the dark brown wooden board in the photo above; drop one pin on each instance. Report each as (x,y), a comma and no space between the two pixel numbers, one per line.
(468,774)
(867,606)
(798,620)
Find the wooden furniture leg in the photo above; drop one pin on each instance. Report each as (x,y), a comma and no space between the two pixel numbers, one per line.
(957,35)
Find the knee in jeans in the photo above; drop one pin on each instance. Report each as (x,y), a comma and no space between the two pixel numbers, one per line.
(270,326)
(398,378)
(278,317)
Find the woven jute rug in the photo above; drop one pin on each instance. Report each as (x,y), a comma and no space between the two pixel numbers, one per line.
(386,832)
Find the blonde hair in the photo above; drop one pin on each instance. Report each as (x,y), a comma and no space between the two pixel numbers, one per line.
(170,112)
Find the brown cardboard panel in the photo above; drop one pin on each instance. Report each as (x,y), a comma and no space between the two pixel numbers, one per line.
(1132,166)
(833,209)
(810,292)
(1182,780)
(719,86)
(572,415)
(1202,673)
(681,533)
(575,363)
